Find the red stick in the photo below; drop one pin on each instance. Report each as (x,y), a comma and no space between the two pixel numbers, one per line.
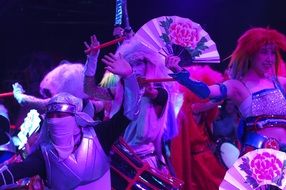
(106,44)
(7,94)
(159,80)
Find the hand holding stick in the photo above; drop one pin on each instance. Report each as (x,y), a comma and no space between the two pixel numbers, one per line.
(105,44)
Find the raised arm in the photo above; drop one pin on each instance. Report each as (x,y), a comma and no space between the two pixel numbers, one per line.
(201,89)
(90,87)
(28,100)
(119,66)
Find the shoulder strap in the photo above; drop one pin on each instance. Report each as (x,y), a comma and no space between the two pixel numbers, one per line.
(278,85)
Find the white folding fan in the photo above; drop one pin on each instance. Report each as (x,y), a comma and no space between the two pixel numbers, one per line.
(179,36)
(257,170)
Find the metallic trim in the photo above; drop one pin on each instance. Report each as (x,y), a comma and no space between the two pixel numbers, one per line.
(61,107)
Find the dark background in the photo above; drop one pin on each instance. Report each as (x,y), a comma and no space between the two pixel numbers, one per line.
(36,34)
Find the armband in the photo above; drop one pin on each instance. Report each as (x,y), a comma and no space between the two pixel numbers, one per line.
(197,87)
(223,93)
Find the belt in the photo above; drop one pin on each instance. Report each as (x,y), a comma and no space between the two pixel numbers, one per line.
(264,121)
(259,141)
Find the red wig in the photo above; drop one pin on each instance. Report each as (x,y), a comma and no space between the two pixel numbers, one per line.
(250,43)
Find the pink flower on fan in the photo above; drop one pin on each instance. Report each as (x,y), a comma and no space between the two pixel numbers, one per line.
(183,34)
(265,166)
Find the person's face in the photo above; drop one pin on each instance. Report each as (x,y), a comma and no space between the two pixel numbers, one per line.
(264,60)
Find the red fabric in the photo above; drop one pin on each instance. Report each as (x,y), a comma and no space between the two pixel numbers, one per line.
(192,158)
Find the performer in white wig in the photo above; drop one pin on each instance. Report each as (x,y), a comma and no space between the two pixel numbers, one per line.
(144,134)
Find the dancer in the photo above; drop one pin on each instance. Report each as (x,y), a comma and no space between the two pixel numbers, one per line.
(255,87)
(73,149)
(144,134)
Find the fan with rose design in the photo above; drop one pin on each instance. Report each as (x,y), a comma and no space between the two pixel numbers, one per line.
(258,169)
(174,35)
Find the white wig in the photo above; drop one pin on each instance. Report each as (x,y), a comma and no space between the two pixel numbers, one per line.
(67,77)
(133,49)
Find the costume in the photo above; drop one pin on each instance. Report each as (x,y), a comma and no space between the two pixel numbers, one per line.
(254,62)
(155,119)
(192,156)
(260,110)
(144,134)
(74,148)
